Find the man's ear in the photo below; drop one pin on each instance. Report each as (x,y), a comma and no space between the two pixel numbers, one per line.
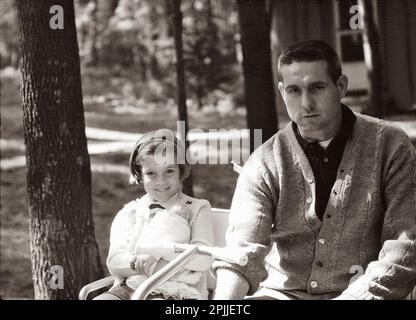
(342,85)
(281,89)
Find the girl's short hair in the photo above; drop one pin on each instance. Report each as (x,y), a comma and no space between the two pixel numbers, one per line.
(158,144)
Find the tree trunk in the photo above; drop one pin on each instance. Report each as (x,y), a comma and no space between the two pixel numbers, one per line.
(372,55)
(212,38)
(92,58)
(58,165)
(257,69)
(176,23)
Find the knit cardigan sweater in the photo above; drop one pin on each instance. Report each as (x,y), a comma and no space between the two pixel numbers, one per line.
(364,247)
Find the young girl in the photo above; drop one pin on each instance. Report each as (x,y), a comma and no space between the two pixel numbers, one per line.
(144,231)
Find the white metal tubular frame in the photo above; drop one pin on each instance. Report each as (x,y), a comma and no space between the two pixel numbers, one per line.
(94,286)
(165,273)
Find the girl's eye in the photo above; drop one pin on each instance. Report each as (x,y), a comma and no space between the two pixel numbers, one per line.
(149,173)
(170,171)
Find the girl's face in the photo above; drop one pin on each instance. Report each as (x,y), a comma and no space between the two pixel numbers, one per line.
(161,181)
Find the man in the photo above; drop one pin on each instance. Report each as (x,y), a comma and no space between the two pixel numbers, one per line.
(326,208)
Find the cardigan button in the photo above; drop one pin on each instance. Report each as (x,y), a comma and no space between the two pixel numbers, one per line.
(309,200)
(314,284)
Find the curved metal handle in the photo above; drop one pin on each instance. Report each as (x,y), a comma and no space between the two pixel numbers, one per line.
(188,252)
(231,255)
(165,273)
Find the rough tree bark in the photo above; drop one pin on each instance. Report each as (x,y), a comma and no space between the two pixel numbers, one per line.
(58,165)
(258,78)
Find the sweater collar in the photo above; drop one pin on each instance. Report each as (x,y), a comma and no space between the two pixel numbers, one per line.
(344,133)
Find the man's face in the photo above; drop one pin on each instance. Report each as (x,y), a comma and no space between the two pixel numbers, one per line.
(312,100)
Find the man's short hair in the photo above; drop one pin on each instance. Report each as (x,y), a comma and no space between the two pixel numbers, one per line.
(308,51)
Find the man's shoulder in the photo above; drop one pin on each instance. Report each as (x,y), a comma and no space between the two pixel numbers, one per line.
(268,148)
(265,158)
(381,126)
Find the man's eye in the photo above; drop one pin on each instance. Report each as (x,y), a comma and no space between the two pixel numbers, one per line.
(292,90)
(317,88)
(170,171)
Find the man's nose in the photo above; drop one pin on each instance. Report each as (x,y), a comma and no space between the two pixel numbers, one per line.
(307,101)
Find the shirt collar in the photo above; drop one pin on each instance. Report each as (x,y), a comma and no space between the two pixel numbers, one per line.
(345,132)
(169,203)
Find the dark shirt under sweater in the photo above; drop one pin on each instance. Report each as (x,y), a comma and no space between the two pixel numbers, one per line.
(325,162)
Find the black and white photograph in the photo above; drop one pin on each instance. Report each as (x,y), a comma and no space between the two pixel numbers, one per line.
(228,151)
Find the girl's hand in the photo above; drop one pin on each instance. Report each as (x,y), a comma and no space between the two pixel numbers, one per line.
(145,264)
